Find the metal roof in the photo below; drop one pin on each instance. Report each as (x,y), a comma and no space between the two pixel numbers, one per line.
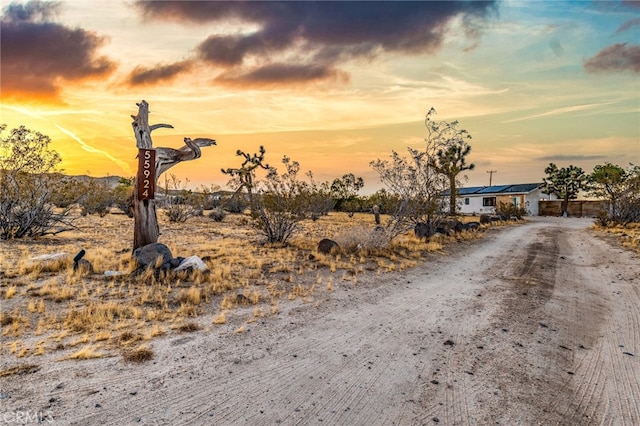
(493,189)
(520,188)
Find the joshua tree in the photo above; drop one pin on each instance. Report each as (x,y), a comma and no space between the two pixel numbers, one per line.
(246,172)
(565,183)
(450,156)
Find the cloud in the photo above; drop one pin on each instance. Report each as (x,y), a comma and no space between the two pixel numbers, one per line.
(39,55)
(85,146)
(308,40)
(616,58)
(143,76)
(280,74)
(562,110)
(575,157)
(629,24)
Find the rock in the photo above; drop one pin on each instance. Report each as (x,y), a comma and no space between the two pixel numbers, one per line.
(48,257)
(146,256)
(83,266)
(453,225)
(193,263)
(472,226)
(422,230)
(326,246)
(176,261)
(485,219)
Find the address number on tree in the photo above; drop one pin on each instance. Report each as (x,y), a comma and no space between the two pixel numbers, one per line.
(146,174)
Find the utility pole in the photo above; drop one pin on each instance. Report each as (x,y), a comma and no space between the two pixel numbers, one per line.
(491,172)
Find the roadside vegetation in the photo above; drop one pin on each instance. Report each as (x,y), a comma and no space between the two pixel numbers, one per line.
(259,241)
(47,307)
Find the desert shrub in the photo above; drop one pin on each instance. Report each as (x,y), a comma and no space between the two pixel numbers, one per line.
(207,197)
(178,205)
(179,213)
(628,205)
(510,210)
(28,180)
(345,192)
(96,198)
(319,198)
(603,218)
(414,189)
(628,209)
(281,204)
(357,238)
(67,191)
(122,195)
(217,214)
(236,204)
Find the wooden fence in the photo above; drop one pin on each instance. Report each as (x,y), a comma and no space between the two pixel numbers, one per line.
(576,208)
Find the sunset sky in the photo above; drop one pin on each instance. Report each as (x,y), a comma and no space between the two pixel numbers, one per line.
(333,85)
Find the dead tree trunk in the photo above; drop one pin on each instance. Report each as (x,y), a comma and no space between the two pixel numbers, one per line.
(146,228)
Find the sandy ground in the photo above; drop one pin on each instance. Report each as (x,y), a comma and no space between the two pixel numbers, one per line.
(533,324)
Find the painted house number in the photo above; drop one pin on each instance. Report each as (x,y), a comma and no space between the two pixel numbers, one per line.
(146,174)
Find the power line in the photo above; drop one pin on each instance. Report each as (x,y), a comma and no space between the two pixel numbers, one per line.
(491,172)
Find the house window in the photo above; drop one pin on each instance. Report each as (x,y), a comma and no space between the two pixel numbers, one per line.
(489,202)
(466,201)
(516,201)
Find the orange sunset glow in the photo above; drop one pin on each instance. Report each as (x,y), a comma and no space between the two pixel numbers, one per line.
(333,85)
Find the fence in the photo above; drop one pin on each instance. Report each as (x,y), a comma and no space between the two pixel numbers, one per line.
(576,208)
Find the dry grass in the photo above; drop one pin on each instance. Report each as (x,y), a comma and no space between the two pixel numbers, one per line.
(189,327)
(19,370)
(87,352)
(140,354)
(51,309)
(627,235)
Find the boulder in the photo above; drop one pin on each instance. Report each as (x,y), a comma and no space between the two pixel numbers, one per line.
(83,266)
(326,246)
(146,256)
(422,230)
(472,226)
(454,225)
(192,263)
(485,219)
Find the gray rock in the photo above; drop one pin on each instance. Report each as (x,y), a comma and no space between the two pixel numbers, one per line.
(146,256)
(326,246)
(83,266)
(472,226)
(422,230)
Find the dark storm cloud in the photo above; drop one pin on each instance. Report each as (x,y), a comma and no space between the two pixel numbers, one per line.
(38,54)
(142,76)
(282,74)
(316,36)
(616,58)
(560,158)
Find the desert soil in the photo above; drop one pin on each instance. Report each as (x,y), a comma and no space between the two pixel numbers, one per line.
(533,324)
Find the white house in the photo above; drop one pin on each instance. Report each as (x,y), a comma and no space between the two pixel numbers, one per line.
(484,199)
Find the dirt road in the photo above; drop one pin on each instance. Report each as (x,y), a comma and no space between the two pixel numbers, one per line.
(534,324)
